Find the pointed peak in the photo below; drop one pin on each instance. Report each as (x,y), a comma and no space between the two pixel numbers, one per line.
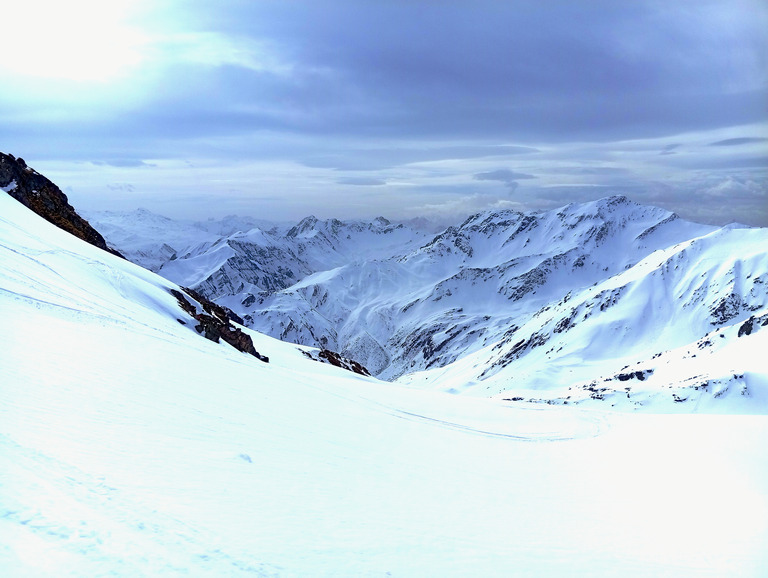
(303,226)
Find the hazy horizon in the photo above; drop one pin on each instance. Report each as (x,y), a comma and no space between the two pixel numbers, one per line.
(280,110)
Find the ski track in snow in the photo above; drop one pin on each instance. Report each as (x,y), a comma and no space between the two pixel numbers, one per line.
(575,424)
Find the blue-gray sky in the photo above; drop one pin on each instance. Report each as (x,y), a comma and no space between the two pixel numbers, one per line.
(354,108)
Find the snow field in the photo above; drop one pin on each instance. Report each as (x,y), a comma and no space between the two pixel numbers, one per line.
(130,445)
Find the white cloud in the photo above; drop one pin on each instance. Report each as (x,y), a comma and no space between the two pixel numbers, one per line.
(79,40)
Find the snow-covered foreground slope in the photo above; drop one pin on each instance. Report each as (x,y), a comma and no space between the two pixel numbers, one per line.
(130,446)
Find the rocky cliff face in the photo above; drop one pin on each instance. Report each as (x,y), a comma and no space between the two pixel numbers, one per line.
(39,194)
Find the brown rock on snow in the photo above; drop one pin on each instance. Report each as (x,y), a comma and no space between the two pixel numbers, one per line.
(39,194)
(214,323)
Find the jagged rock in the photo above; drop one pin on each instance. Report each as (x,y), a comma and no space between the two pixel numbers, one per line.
(209,327)
(215,324)
(183,303)
(640,375)
(328,356)
(40,195)
(746,327)
(225,314)
(727,309)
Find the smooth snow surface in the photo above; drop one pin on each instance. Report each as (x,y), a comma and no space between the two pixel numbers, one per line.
(132,446)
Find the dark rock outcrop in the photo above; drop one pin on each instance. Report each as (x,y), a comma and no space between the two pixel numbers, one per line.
(349,364)
(184,303)
(747,327)
(225,314)
(214,322)
(40,195)
(328,356)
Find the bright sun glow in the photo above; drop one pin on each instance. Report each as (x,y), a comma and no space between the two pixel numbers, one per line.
(82,40)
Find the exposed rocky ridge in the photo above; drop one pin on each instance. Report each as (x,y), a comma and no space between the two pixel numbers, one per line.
(250,265)
(39,194)
(333,358)
(214,322)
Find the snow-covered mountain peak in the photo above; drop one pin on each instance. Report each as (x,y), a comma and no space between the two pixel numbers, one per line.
(503,292)
(305,227)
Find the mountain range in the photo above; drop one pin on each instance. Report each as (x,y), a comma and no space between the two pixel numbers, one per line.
(502,303)
(145,431)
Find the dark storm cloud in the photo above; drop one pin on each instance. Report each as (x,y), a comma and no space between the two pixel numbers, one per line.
(738,141)
(515,71)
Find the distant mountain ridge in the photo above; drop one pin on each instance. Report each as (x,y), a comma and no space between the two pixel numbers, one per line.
(504,300)
(600,302)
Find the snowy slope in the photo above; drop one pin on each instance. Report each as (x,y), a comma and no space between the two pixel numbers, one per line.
(468,286)
(248,264)
(146,238)
(132,446)
(670,299)
(509,304)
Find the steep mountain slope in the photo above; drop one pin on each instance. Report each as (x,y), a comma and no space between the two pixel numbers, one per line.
(145,238)
(509,304)
(247,264)
(131,445)
(39,194)
(672,299)
(502,303)
(468,286)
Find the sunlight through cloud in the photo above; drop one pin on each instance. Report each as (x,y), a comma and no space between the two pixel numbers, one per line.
(81,40)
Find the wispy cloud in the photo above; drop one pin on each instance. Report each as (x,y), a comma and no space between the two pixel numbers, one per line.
(506,176)
(670,149)
(362,181)
(738,141)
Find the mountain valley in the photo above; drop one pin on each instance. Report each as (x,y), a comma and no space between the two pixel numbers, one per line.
(145,431)
(503,302)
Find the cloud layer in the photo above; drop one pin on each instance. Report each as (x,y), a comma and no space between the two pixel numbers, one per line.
(349,108)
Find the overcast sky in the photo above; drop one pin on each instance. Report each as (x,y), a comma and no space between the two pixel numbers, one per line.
(280,109)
